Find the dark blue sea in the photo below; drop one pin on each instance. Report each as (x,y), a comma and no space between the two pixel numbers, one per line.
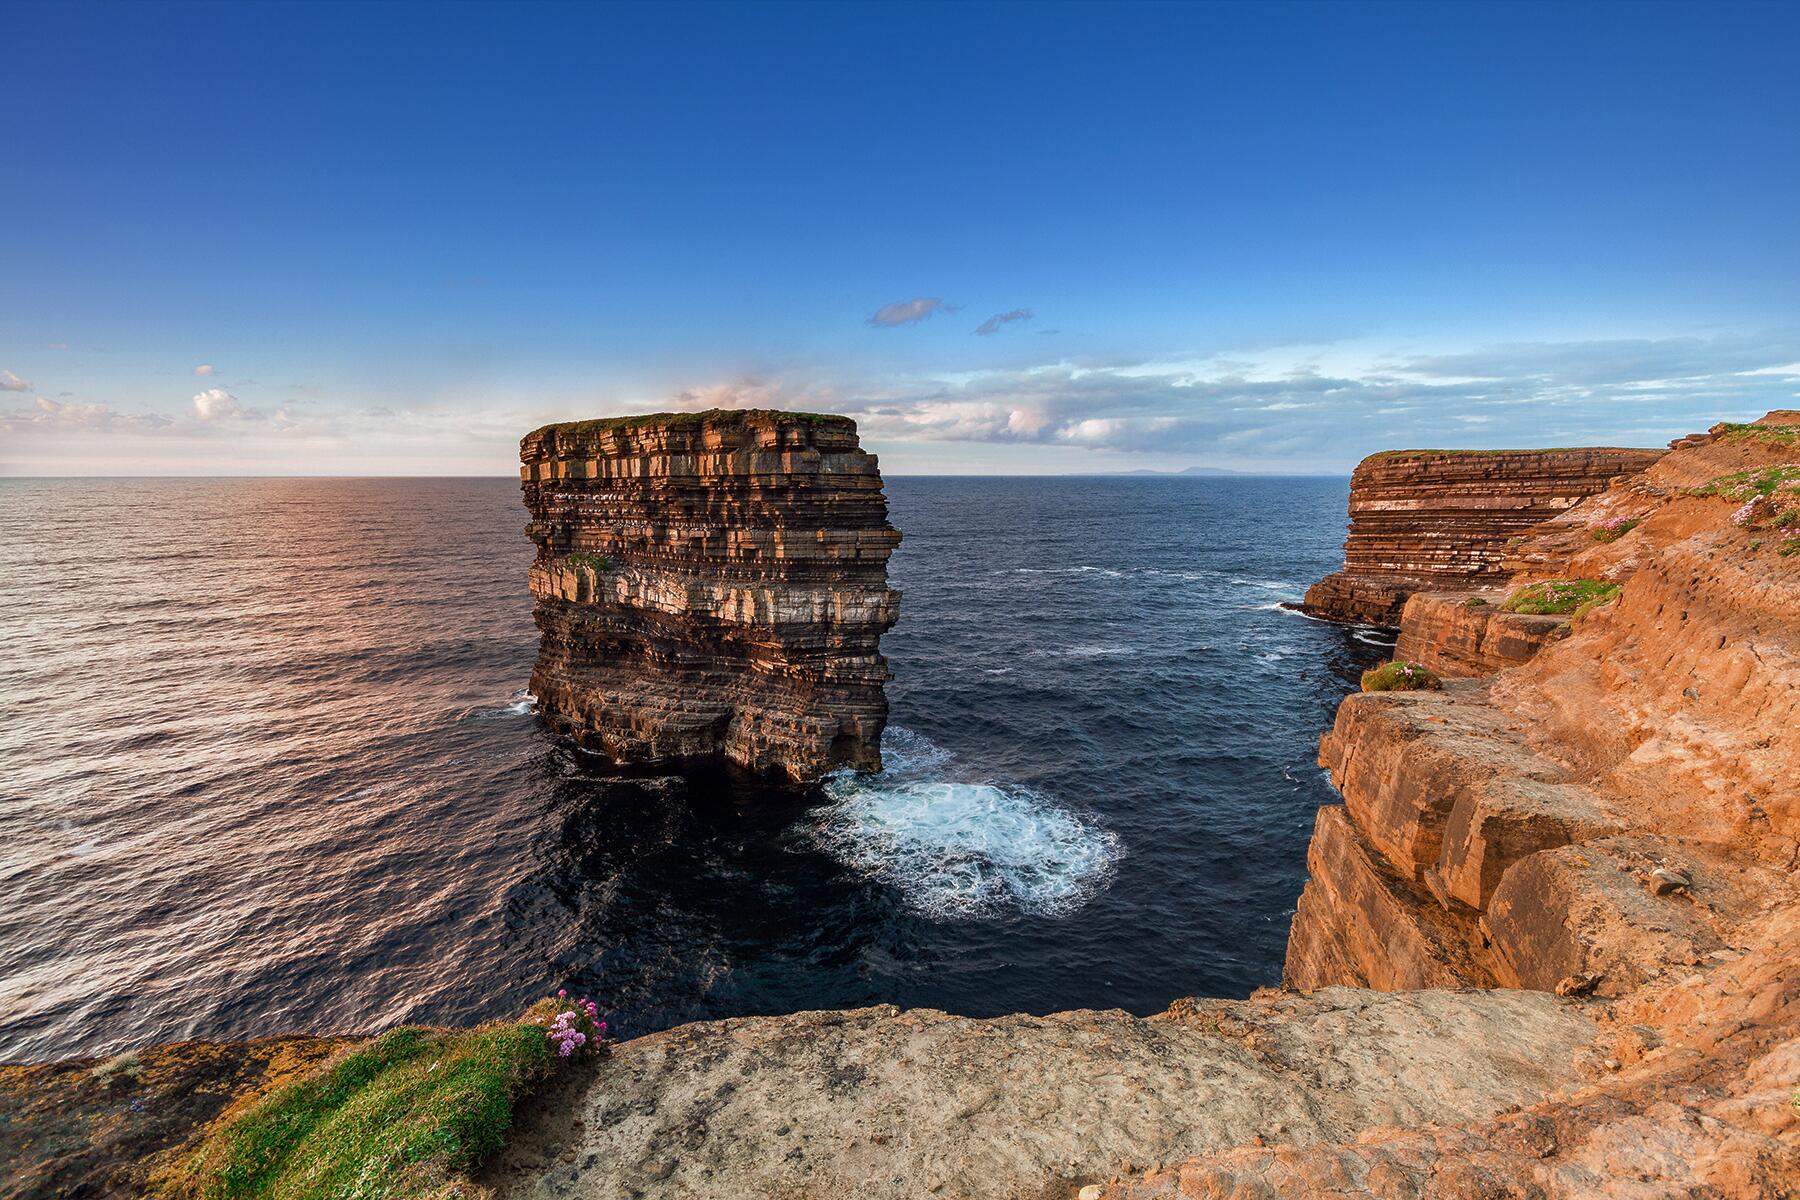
(266,764)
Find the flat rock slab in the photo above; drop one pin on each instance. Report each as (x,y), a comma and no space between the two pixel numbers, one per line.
(877,1102)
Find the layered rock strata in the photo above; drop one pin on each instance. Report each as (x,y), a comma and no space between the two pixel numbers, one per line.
(1425,520)
(712,585)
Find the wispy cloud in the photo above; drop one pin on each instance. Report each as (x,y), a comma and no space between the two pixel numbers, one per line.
(993,323)
(1279,405)
(51,414)
(204,369)
(12,383)
(906,312)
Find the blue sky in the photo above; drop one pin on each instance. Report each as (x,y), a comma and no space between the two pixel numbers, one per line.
(330,238)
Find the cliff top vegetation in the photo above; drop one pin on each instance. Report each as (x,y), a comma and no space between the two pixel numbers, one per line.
(1400,676)
(1383,455)
(1778,435)
(717,417)
(1558,597)
(401,1117)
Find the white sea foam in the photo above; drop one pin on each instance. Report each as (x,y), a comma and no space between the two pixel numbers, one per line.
(522,704)
(962,851)
(1368,637)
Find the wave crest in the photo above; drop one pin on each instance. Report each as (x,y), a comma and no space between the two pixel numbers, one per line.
(962,851)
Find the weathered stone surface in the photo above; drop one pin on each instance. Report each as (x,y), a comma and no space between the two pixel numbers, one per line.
(1590,909)
(712,584)
(1441,630)
(1428,520)
(1360,923)
(1690,1094)
(880,1104)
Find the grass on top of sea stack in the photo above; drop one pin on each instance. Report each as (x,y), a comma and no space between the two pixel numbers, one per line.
(402,1117)
(1400,676)
(1559,597)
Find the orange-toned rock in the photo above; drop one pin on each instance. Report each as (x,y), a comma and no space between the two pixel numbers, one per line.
(1428,520)
(1444,631)
(1399,938)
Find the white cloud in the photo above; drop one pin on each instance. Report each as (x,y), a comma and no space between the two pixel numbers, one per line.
(204,369)
(12,383)
(905,312)
(217,404)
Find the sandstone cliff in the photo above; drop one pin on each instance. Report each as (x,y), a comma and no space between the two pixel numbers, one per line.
(1423,520)
(712,584)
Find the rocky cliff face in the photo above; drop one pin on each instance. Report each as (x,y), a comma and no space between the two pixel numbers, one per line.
(1605,809)
(1546,949)
(712,584)
(1423,520)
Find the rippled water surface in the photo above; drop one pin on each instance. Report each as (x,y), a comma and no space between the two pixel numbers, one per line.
(266,764)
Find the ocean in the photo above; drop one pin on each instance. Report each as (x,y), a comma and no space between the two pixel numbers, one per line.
(267,764)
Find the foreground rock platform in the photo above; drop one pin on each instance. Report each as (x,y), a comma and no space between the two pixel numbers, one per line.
(712,585)
(879,1103)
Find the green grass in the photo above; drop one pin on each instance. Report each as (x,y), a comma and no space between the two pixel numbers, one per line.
(1475,602)
(396,1119)
(1778,435)
(586,430)
(1400,676)
(599,564)
(1612,533)
(1744,486)
(1386,454)
(1557,597)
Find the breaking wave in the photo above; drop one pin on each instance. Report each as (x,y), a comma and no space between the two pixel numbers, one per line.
(959,850)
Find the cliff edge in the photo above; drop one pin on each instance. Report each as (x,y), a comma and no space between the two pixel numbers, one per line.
(1423,520)
(712,584)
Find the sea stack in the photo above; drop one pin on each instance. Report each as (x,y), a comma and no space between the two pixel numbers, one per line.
(712,585)
(1427,520)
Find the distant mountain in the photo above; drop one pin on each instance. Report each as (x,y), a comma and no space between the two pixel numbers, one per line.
(1183,471)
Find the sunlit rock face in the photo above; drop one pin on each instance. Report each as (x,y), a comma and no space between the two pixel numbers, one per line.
(1432,520)
(712,585)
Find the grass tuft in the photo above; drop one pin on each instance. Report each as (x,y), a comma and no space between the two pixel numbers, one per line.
(1613,529)
(395,1118)
(1400,676)
(599,564)
(1557,597)
(1475,602)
